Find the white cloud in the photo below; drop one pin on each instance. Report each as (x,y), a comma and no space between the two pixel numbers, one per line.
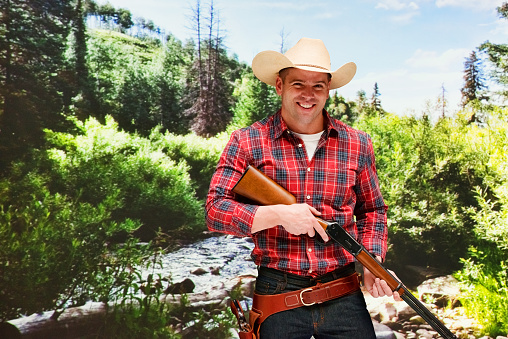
(404,18)
(289,5)
(500,27)
(406,10)
(474,4)
(397,5)
(451,59)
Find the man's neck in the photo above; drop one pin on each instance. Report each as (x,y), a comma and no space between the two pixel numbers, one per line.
(303,128)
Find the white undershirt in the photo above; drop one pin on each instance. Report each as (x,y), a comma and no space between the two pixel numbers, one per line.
(311,141)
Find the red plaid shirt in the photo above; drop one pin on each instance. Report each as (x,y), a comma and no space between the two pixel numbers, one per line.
(340,181)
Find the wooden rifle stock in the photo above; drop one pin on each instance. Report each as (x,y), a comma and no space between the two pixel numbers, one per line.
(259,188)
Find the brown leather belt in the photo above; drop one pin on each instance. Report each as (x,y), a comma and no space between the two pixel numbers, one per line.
(266,305)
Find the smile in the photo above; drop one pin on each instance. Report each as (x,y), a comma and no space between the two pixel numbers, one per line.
(305,105)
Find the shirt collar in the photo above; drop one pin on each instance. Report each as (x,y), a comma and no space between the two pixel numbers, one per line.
(280,125)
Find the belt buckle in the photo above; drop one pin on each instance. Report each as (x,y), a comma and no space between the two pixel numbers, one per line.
(301,297)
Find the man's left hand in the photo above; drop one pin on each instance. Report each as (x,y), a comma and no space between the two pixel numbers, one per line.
(378,287)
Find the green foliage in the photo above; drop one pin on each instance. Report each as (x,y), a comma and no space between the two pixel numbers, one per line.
(140,311)
(212,325)
(54,249)
(151,94)
(201,155)
(154,315)
(485,273)
(32,43)
(137,82)
(150,186)
(486,296)
(427,175)
(63,214)
(110,57)
(255,101)
(339,108)
(447,188)
(497,56)
(474,80)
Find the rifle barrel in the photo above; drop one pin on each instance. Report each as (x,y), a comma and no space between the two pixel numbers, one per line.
(437,325)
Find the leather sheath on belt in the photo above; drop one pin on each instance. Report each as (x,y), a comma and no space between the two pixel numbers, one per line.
(266,305)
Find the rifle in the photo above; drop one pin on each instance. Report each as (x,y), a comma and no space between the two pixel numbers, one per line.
(257,187)
(237,310)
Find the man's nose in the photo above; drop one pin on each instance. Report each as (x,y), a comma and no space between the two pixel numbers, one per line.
(307,92)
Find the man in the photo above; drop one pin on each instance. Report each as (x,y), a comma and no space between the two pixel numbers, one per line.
(329,168)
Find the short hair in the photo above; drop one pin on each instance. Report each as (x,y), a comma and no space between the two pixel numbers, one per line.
(284,72)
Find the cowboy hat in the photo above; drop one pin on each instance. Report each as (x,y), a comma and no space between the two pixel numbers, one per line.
(307,54)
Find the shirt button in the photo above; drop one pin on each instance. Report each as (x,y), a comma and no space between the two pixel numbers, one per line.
(310,271)
(308,169)
(308,197)
(310,249)
(299,145)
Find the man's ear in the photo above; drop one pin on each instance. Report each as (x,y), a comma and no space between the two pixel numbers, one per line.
(278,85)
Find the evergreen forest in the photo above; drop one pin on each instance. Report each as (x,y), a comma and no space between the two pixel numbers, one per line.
(110,130)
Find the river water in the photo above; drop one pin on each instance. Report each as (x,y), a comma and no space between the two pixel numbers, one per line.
(212,260)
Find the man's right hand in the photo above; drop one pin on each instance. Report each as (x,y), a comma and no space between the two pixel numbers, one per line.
(296,219)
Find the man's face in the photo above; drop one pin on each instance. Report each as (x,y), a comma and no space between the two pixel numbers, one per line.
(304,95)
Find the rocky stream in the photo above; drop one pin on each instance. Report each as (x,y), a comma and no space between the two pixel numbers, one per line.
(210,269)
(224,262)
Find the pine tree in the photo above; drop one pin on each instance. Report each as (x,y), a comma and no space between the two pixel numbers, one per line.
(256,100)
(375,102)
(498,55)
(362,105)
(32,44)
(474,83)
(339,108)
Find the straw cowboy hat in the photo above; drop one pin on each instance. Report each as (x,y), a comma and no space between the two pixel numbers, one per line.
(307,54)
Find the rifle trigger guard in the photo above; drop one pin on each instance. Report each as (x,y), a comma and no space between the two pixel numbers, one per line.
(301,297)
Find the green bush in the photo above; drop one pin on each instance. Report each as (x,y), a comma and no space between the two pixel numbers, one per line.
(54,249)
(427,174)
(152,188)
(486,295)
(485,273)
(200,154)
(68,217)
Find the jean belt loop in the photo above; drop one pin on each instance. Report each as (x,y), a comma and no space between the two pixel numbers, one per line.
(285,283)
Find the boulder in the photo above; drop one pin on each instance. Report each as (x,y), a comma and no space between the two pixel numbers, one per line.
(183,287)
(199,271)
(383,331)
(440,291)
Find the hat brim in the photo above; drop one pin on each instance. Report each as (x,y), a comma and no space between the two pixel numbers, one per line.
(267,65)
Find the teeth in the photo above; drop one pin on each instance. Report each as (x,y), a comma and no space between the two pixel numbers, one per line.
(306,105)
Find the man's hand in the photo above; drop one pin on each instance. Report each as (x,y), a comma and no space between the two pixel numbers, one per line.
(377,287)
(296,219)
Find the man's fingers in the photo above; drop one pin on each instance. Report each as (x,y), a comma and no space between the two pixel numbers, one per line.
(321,231)
(311,232)
(383,286)
(396,296)
(317,227)
(374,291)
(314,211)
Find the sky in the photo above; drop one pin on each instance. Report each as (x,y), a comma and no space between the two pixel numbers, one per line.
(413,50)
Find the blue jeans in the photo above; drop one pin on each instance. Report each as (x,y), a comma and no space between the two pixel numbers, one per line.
(346,317)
